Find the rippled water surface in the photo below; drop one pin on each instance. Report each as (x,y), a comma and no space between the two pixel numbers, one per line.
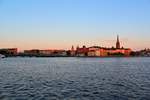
(75,79)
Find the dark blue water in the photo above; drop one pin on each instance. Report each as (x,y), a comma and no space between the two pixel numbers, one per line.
(75,79)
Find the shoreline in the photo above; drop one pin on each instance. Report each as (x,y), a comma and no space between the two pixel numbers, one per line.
(77,57)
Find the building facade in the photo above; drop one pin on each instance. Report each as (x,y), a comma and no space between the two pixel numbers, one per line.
(9,51)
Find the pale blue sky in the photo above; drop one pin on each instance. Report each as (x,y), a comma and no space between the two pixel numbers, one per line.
(61,23)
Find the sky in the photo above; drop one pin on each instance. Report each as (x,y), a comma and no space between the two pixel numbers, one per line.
(59,24)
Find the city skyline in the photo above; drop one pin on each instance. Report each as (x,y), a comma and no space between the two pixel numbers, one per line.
(84,51)
(117,45)
(59,24)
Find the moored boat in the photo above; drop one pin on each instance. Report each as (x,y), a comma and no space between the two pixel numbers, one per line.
(2,56)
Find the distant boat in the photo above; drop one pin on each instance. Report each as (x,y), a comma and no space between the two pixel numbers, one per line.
(2,56)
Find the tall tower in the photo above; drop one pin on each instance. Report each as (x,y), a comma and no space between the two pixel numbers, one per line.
(72,48)
(72,52)
(118,43)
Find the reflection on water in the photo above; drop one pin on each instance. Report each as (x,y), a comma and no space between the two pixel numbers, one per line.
(75,79)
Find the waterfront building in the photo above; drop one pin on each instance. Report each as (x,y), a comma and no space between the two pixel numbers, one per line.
(46,52)
(81,52)
(9,51)
(94,51)
(122,51)
(145,52)
(32,52)
(59,53)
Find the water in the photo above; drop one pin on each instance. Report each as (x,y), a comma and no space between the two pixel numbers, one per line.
(75,79)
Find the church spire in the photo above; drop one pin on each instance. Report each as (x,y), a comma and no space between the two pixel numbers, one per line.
(118,42)
(72,48)
(117,38)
